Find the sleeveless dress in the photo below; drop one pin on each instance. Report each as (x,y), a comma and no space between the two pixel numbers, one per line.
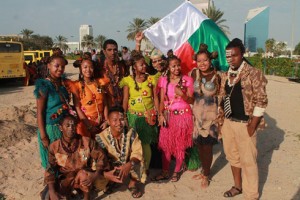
(56,108)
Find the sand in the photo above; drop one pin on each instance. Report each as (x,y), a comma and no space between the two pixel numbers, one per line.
(21,175)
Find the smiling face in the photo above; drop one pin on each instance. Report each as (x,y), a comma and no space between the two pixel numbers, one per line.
(157,63)
(175,67)
(234,57)
(87,69)
(68,128)
(140,66)
(203,62)
(116,122)
(56,67)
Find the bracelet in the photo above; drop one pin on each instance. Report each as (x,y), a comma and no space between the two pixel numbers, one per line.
(138,44)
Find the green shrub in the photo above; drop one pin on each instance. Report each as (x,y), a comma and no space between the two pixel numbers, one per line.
(274,66)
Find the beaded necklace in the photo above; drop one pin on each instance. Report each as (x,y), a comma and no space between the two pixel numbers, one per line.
(236,73)
(112,141)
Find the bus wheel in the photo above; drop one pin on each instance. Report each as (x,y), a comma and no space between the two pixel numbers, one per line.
(27,79)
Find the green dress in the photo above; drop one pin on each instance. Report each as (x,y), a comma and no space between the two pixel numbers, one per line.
(56,108)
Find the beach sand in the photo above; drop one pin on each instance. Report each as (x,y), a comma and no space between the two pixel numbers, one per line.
(21,175)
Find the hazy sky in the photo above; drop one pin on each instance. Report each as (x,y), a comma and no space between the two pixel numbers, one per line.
(111,17)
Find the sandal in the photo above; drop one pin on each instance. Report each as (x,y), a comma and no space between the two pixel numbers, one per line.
(175,177)
(233,192)
(205,182)
(135,192)
(161,177)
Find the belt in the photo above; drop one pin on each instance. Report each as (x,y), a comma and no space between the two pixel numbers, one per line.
(180,111)
(237,120)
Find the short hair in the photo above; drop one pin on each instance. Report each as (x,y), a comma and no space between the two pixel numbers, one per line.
(61,121)
(236,42)
(93,50)
(125,48)
(115,109)
(109,41)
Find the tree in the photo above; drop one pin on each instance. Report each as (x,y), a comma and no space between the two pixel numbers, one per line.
(297,49)
(216,15)
(152,21)
(100,39)
(87,41)
(270,44)
(26,33)
(280,48)
(37,42)
(60,41)
(136,26)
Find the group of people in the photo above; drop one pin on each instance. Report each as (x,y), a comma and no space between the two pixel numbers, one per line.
(122,116)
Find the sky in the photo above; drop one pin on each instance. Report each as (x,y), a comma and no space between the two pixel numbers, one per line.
(112,17)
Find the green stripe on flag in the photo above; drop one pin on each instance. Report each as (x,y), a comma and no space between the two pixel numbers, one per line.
(210,34)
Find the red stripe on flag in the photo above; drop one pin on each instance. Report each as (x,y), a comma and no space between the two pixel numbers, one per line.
(186,53)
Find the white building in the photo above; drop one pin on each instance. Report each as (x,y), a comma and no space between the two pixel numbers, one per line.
(72,47)
(84,30)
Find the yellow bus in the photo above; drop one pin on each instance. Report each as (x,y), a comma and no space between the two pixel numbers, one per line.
(12,63)
(36,54)
(30,57)
(45,53)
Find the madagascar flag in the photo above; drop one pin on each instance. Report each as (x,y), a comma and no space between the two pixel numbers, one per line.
(183,30)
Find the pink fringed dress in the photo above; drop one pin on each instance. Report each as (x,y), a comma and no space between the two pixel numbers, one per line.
(177,135)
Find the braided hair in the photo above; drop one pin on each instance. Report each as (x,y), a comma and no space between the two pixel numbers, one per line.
(169,59)
(81,78)
(134,59)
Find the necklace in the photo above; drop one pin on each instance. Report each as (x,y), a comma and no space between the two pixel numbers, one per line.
(112,141)
(70,149)
(56,82)
(236,75)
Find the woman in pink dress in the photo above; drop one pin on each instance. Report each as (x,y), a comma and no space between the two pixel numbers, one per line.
(175,119)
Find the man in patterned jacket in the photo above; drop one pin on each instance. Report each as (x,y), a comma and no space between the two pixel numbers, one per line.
(244,100)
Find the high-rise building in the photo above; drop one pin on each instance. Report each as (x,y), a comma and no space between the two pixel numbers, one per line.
(256,30)
(84,30)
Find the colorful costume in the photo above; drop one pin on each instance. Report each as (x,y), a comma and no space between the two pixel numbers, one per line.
(56,107)
(176,136)
(248,98)
(130,147)
(92,97)
(139,102)
(65,167)
(205,107)
(115,96)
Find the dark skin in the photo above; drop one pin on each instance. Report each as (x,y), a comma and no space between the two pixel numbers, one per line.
(235,63)
(68,128)
(140,70)
(56,69)
(87,71)
(235,60)
(116,121)
(183,92)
